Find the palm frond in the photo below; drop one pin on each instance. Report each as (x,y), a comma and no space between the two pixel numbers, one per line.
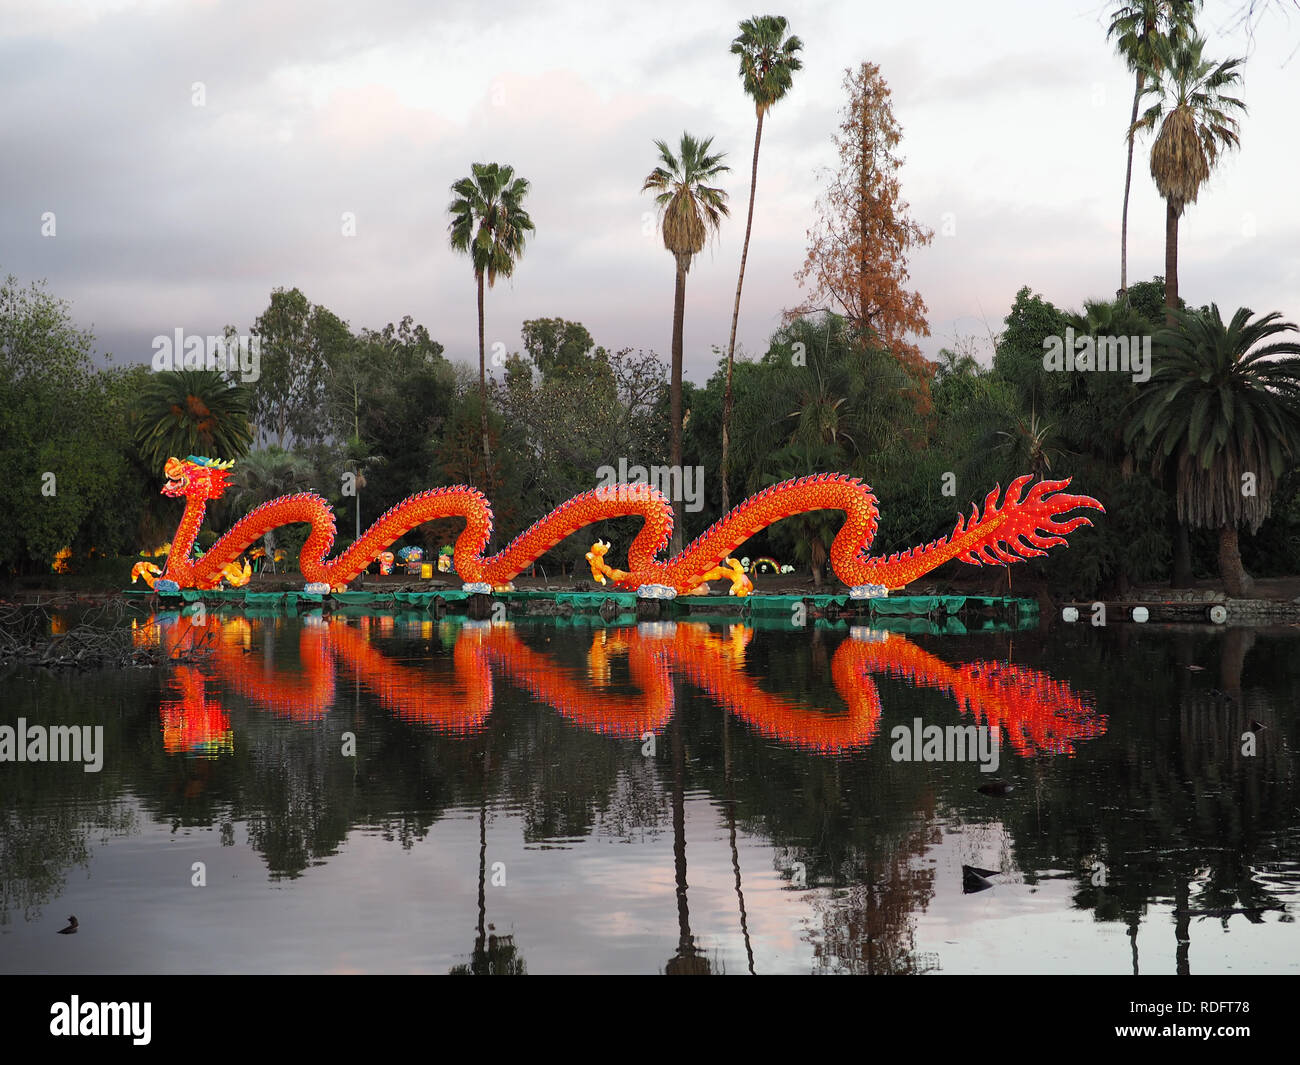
(689,209)
(488,220)
(1220,405)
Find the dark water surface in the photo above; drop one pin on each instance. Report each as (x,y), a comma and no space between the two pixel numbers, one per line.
(395,794)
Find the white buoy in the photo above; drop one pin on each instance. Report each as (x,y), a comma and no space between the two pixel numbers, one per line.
(1218,613)
(1070,614)
(1140,614)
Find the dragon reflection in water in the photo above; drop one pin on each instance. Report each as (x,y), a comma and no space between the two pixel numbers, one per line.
(1033,712)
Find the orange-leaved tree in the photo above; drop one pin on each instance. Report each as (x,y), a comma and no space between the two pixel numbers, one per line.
(857,253)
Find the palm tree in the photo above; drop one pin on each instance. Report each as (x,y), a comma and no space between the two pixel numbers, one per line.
(191,412)
(1197,122)
(488,223)
(1225,411)
(1135,27)
(688,210)
(1108,318)
(1032,443)
(767,66)
(845,403)
(1096,394)
(355,454)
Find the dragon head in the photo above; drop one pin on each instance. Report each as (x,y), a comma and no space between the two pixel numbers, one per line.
(196,477)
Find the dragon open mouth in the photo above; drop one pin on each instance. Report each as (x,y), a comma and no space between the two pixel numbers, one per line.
(177,481)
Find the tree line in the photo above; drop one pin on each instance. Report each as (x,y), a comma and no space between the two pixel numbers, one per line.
(1184,458)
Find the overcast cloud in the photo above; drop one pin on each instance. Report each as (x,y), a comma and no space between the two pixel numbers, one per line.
(171,215)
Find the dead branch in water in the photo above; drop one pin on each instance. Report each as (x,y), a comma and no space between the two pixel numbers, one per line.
(101,638)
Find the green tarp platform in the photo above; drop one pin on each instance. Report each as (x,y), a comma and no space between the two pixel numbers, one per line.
(922,607)
(916,605)
(360,597)
(595,600)
(427,598)
(264,599)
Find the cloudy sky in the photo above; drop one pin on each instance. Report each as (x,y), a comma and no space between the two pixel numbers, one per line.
(170,215)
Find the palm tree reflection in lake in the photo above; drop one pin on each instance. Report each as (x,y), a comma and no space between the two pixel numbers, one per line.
(769,749)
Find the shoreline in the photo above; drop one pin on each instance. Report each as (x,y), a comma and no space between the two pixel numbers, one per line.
(1276,600)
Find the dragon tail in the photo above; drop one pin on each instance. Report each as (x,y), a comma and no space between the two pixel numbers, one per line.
(1024,525)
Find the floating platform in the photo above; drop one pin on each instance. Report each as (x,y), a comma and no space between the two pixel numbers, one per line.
(948,612)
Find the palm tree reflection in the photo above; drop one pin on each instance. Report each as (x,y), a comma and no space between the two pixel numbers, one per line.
(493,955)
(689,960)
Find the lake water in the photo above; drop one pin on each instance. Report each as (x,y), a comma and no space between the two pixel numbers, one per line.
(395,794)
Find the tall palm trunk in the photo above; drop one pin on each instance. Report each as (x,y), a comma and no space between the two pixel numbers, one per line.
(1182,925)
(1237,644)
(1235,578)
(687,961)
(1171,261)
(731,825)
(679,836)
(675,397)
(1181,576)
(480,964)
(482,394)
(1128,181)
(818,556)
(735,316)
(480,938)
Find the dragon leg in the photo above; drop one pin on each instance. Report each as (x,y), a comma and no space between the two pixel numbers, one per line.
(145,571)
